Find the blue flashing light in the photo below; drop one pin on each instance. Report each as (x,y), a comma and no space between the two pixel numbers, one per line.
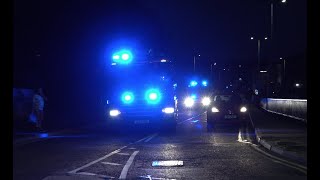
(193,83)
(127,97)
(122,57)
(43,135)
(204,83)
(153,96)
(193,96)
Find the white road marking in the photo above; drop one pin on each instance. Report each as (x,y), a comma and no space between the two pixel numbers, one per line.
(123,154)
(125,169)
(110,163)
(92,174)
(142,139)
(283,162)
(132,148)
(190,118)
(154,135)
(95,161)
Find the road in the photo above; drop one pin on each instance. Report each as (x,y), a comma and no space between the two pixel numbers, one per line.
(224,152)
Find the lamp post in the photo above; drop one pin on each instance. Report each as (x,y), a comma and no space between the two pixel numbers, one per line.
(194,63)
(271,15)
(259,50)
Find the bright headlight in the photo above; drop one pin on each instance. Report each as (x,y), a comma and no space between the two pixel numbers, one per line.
(214,109)
(168,110)
(114,112)
(243,109)
(206,101)
(188,102)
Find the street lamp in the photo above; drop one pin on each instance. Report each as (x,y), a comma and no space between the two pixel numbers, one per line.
(265,38)
(271,12)
(194,63)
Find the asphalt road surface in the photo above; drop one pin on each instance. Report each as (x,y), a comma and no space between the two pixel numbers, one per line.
(221,152)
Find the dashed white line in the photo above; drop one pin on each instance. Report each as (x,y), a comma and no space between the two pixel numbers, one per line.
(147,140)
(125,169)
(95,161)
(110,163)
(123,154)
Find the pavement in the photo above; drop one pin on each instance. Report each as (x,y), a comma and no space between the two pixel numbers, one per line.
(281,135)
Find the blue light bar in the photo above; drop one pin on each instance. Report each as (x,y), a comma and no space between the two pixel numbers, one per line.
(193,83)
(122,57)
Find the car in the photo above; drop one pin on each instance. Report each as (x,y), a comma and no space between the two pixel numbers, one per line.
(226,109)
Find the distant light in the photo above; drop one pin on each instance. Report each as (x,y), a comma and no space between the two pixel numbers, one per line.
(125,56)
(240,66)
(215,64)
(199,55)
(297,85)
(256,92)
(251,38)
(113,64)
(272,92)
(240,79)
(122,57)
(263,71)
(168,110)
(227,87)
(43,135)
(114,112)
(266,38)
(280,57)
(163,60)
(204,83)
(193,83)
(231,85)
(188,102)
(283,1)
(224,69)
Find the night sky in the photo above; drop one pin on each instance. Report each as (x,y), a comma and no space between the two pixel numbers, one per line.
(75,35)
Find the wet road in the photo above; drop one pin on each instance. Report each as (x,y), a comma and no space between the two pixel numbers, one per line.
(222,152)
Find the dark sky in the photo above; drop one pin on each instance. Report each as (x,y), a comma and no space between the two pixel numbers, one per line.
(73,35)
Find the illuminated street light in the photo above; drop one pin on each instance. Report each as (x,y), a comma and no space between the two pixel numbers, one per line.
(251,38)
(283,1)
(265,38)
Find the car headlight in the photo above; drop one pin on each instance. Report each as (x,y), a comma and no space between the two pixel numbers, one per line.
(168,110)
(114,112)
(188,102)
(243,109)
(206,101)
(214,109)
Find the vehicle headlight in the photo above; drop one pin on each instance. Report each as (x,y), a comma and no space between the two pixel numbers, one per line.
(206,101)
(214,109)
(114,112)
(168,110)
(243,109)
(188,102)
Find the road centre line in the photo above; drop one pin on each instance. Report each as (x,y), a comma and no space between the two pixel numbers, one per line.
(190,118)
(125,169)
(95,161)
(154,135)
